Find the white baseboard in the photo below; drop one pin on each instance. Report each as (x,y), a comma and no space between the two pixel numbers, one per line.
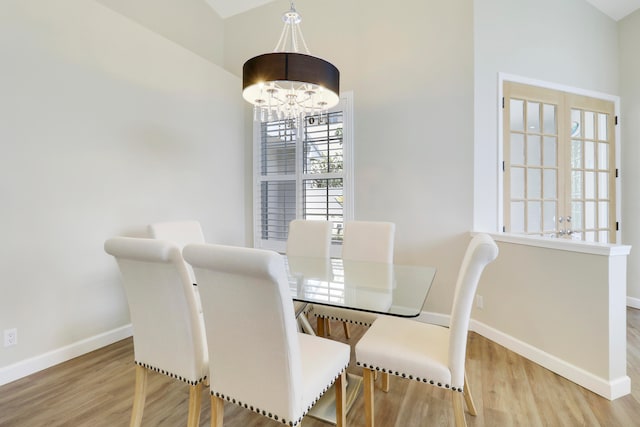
(433,318)
(633,302)
(34,364)
(611,389)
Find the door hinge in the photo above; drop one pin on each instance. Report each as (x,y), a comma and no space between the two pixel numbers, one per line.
(616,122)
(504,229)
(617,226)
(617,174)
(503,106)
(502,166)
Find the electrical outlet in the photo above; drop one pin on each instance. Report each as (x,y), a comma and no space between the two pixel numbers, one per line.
(10,337)
(479,302)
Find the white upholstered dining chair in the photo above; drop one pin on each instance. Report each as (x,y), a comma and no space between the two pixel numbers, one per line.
(428,353)
(307,238)
(168,330)
(262,363)
(179,232)
(363,241)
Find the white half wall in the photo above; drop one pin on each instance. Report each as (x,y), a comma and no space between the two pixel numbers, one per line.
(561,304)
(105,127)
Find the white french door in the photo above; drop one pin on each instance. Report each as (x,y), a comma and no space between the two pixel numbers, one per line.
(559,164)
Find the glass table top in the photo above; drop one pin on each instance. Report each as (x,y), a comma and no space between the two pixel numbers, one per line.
(398,290)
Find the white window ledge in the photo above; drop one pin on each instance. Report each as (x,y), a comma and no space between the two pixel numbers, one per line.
(562,244)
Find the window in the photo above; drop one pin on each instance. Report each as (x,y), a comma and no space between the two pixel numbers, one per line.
(303,173)
(559,164)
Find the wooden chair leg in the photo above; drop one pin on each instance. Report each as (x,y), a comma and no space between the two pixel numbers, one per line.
(471,407)
(320,326)
(458,409)
(367,383)
(195,401)
(139,396)
(341,400)
(347,332)
(385,382)
(217,411)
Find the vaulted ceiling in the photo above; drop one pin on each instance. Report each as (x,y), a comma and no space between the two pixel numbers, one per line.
(616,9)
(227,8)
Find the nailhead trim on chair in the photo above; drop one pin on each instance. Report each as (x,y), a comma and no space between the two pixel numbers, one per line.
(274,416)
(343,320)
(162,371)
(411,377)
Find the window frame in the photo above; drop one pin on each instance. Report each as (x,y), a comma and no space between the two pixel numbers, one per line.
(346,106)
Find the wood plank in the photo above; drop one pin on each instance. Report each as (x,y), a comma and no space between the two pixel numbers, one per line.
(96,390)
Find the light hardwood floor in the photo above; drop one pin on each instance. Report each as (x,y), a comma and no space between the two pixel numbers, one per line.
(97,389)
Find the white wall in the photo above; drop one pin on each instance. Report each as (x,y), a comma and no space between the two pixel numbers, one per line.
(193,24)
(566,42)
(410,67)
(629,33)
(104,127)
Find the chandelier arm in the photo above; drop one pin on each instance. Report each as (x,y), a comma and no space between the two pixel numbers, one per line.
(280,47)
(304,43)
(294,39)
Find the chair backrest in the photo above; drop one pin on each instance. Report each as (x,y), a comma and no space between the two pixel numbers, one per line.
(308,238)
(481,251)
(368,241)
(180,232)
(249,317)
(168,333)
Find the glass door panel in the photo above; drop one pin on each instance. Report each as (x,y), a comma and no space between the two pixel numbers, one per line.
(550,184)
(517,217)
(534,181)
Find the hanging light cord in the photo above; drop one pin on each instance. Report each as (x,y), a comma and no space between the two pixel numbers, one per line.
(291,32)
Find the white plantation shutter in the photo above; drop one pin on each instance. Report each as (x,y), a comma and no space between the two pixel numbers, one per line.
(302,174)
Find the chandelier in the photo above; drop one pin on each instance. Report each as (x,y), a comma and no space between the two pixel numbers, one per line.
(286,84)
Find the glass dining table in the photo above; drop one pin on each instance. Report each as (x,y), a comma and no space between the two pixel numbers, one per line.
(379,288)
